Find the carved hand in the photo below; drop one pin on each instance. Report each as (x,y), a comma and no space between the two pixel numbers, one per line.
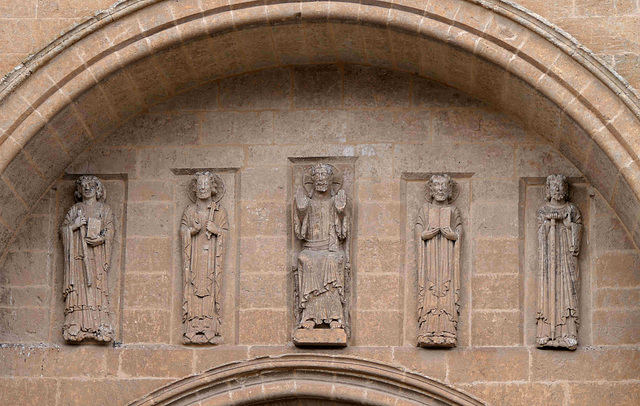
(95,241)
(341,201)
(302,201)
(429,233)
(79,222)
(213,228)
(197,226)
(449,234)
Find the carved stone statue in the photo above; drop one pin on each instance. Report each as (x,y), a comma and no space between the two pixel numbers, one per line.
(87,237)
(437,233)
(204,231)
(559,236)
(321,223)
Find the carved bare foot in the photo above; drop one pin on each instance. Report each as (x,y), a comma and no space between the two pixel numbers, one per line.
(309,324)
(334,325)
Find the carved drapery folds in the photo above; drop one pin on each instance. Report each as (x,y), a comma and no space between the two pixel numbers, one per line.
(438,230)
(321,222)
(204,231)
(559,236)
(87,237)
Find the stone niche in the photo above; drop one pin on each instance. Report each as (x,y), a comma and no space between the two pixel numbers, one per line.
(390,130)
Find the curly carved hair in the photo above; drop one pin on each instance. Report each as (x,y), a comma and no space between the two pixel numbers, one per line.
(555,178)
(430,184)
(100,192)
(315,168)
(212,180)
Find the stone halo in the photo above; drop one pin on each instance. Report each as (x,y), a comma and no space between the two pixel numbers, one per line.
(221,189)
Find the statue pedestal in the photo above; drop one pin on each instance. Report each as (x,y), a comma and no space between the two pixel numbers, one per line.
(320,337)
(442,342)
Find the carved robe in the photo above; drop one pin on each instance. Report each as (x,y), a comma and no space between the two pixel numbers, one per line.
(558,246)
(438,276)
(203,263)
(86,285)
(321,264)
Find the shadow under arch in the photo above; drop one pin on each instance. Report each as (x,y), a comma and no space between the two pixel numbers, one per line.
(333,379)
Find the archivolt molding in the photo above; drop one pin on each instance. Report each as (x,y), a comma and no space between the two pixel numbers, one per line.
(330,378)
(543,57)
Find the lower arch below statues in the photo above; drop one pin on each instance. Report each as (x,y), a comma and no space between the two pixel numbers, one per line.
(300,379)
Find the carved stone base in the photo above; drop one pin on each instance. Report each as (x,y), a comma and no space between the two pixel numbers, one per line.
(437,341)
(202,339)
(566,343)
(320,337)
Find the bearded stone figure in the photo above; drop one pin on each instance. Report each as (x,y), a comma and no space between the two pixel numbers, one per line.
(87,236)
(437,233)
(559,237)
(204,231)
(321,223)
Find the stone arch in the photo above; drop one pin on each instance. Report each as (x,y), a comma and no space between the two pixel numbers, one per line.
(119,62)
(342,380)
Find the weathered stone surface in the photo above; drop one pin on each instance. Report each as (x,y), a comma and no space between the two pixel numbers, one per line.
(24,391)
(592,394)
(24,269)
(489,365)
(237,127)
(617,298)
(475,126)
(496,256)
(310,127)
(33,235)
(262,290)
(147,291)
(616,327)
(207,357)
(495,220)
(106,391)
(496,292)
(534,394)
(149,219)
(156,362)
(148,255)
(263,254)
(24,324)
(146,326)
(375,87)
(617,269)
(376,328)
(320,337)
(368,292)
(496,328)
(18,296)
(156,129)
(430,363)
(267,327)
(388,126)
(269,89)
(317,86)
(586,364)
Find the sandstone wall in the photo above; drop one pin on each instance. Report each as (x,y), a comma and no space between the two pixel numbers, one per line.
(607,27)
(398,128)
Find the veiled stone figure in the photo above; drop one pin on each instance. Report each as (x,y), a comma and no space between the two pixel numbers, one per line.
(87,236)
(559,236)
(438,230)
(321,222)
(204,231)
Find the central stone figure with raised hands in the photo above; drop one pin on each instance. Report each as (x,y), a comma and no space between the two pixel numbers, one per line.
(321,223)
